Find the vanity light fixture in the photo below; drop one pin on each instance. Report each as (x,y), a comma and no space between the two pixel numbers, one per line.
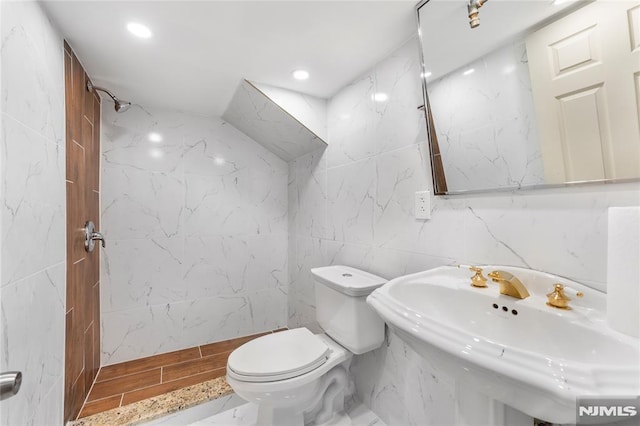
(469,71)
(380,97)
(154,137)
(300,74)
(139,30)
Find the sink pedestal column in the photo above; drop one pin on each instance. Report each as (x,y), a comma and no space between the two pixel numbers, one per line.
(474,409)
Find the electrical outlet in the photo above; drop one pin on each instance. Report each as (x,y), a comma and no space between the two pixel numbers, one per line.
(423,205)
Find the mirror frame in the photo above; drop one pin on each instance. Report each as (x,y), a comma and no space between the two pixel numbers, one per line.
(437,169)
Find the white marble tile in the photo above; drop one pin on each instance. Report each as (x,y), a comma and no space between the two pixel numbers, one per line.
(141,272)
(32,70)
(33,201)
(267,123)
(268,309)
(310,253)
(245,202)
(51,408)
(265,199)
(401,387)
(32,336)
(399,175)
(141,332)
(141,139)
(199,234)
(311,195)
(246,414)
(350,201)
(399,122)
(558,232)
(308,110)
(140,204)
(217,205)
(485,122)
(199,412)
(352,122)
(228,265)
(226,317)
(214,147)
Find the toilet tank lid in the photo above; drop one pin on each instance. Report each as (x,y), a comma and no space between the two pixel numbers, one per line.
(347,280)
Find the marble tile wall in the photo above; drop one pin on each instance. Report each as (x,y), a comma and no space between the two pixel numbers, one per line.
(32,213)
(485,122)
(195,216)
(353,204)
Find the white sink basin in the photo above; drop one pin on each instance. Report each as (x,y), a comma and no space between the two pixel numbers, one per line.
(531,356)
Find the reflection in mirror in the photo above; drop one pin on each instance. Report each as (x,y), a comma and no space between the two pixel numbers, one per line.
(526,94)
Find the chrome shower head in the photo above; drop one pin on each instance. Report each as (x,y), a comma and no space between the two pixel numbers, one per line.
(119,105)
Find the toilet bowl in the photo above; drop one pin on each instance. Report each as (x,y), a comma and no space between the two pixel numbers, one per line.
(297,377)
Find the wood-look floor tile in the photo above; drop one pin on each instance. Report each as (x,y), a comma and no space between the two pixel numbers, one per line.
(227,345)
(190,368)
(124,384)
(135,396)
(100,405)
(117,370)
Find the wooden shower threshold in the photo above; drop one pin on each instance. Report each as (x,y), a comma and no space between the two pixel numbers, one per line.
(129,382)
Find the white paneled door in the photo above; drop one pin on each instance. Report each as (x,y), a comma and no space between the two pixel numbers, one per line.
(585,77)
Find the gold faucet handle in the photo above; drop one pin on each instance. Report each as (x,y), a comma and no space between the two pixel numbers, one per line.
(477,280)
(559,299)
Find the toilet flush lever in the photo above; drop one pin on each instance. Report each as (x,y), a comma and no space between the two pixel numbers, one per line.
(91,236)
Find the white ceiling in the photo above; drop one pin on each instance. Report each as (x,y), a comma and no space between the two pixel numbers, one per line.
(201,50)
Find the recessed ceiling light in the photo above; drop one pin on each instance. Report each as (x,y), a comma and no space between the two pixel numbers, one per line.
(300,74)
(219,161)
(380,97)
(139,30)
(469,71)
(154,137)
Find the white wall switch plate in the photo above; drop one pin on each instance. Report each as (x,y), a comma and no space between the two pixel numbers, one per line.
(423,205)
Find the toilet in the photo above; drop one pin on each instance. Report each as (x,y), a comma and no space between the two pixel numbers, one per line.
(297,377)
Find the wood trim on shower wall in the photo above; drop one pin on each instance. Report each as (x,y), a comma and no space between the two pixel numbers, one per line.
(440,181)
(82,337)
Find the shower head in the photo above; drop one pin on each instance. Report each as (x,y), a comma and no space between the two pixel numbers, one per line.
(120,105)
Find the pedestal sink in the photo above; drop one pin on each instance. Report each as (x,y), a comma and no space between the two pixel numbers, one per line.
(521,352)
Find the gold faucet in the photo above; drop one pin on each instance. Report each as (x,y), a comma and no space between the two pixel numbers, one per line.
(509,284)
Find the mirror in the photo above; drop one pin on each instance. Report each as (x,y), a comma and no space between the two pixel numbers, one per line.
(540,93)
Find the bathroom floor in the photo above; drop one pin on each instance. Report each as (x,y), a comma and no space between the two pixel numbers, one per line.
(357,415)
(123,384)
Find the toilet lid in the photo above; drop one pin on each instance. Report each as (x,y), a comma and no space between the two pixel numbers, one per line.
(278,356)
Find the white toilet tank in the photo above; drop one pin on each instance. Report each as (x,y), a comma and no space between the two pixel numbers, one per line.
(341,308)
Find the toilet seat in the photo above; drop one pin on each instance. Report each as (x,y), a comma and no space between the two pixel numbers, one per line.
(278,356)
